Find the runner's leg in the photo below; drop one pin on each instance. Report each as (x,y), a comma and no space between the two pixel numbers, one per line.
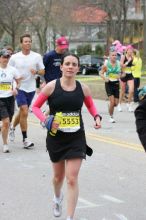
(72,171)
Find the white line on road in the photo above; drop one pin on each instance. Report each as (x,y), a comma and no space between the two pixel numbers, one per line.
(83,219)
(87,204)
(112,199)
(27,166)
(121,217)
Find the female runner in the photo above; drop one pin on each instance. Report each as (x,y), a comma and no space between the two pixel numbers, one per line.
(67,148)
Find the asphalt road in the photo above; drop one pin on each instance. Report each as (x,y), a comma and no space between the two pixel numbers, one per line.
(112,181)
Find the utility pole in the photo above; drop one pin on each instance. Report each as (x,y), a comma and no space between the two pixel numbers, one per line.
(144,34)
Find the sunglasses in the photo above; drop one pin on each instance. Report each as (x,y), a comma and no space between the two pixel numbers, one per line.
(6,56)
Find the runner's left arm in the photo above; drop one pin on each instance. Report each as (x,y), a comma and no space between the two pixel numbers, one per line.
(91,106)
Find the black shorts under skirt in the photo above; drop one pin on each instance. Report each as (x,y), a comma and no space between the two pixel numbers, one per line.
(64,146)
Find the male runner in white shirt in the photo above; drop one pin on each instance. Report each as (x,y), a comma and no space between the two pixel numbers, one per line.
(28,64)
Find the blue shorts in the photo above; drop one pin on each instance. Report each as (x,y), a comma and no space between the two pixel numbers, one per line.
(24,98)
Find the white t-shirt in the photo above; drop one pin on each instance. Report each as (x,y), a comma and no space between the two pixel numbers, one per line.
(7,79)
(24,63)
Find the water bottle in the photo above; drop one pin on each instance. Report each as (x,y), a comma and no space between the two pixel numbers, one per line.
(57,119)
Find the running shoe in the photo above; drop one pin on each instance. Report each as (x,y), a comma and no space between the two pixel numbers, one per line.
(12,134)
(129,106)
(5,148)
(130,109)
(57,206)
(27,144)
(119,108)
(69,218)
(112,120)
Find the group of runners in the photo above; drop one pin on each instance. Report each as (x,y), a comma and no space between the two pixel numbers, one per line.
(121,72)
(65,141)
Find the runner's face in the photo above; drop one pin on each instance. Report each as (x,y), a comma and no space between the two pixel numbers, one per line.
(130,52)
(26,43)
(70,66)
(113,56)
(61,51)
(4,60)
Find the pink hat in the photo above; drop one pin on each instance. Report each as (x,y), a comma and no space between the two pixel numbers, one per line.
(62,42)
(129,47)
(124,48)
(119,48)
(116,42)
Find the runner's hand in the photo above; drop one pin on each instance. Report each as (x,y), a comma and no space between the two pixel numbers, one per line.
(14,92)
(97,122)
(33,71)
(49,121)
(106,79)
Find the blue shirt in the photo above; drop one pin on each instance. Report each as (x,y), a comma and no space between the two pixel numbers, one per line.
(52,62)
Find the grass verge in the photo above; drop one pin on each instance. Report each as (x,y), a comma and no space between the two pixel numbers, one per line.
(96,84)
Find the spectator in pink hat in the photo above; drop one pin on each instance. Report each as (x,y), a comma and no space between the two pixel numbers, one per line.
(118,48)
(116,42)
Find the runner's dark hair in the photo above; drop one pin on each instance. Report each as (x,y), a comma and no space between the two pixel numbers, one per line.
(70,54)
(25,35)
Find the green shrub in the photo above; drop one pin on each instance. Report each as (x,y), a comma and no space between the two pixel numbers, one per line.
(99,50)
(84,49)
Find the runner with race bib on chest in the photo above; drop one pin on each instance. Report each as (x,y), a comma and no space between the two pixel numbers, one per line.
(110,73)
(9,83)
(66,142)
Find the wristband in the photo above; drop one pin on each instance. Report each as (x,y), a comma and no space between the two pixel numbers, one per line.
(48,122)
(97,116)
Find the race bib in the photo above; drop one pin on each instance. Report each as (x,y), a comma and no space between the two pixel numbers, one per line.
(127,70)
(70,122)
(113,77)
(5,86)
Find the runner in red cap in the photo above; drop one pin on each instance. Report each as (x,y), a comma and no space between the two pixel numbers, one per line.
(62,43)
(52,60)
